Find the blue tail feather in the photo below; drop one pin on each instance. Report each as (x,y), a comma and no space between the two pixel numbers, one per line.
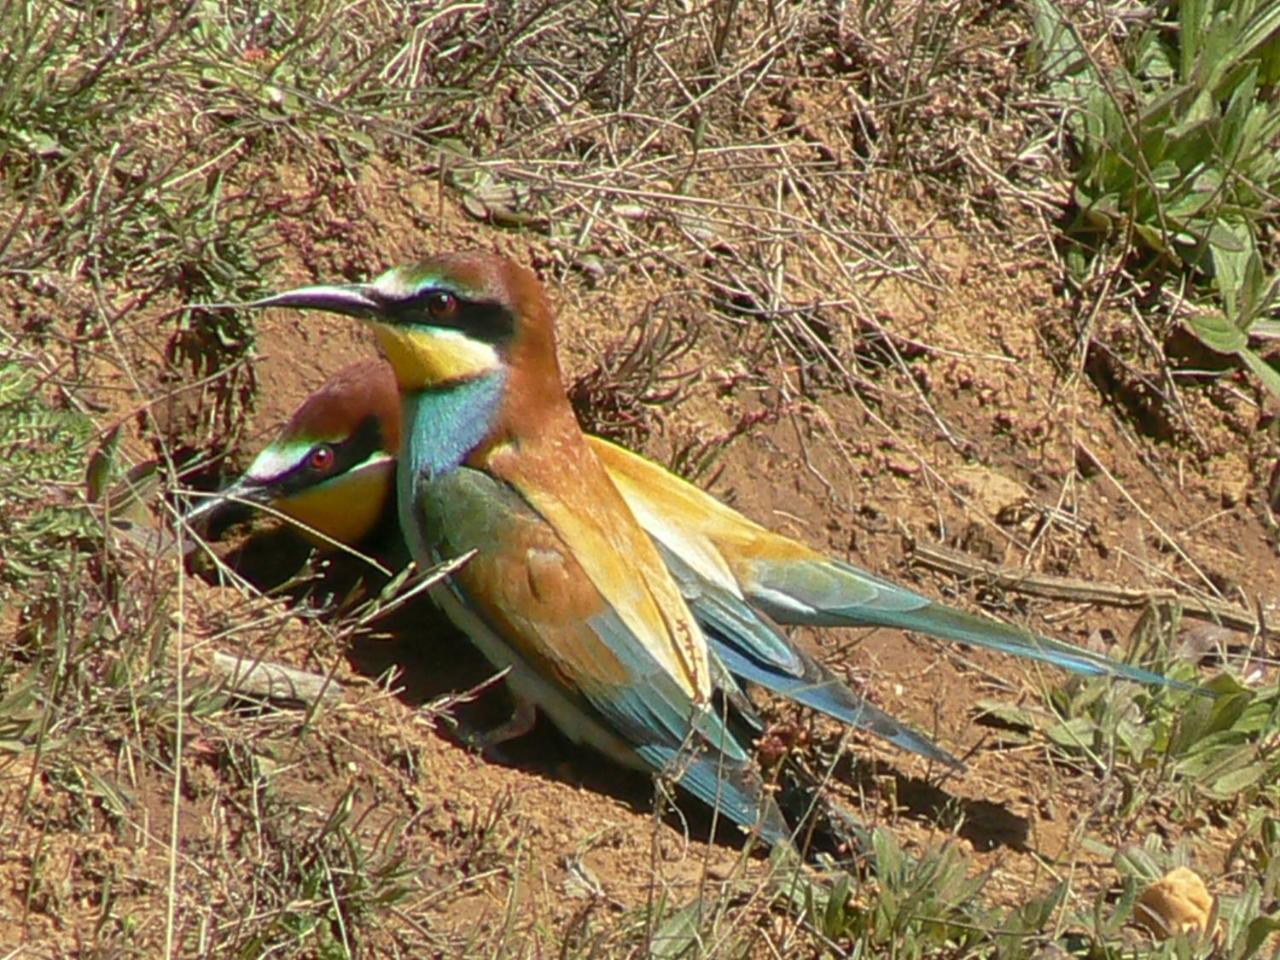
(830,696)
(734,789)
(837,594)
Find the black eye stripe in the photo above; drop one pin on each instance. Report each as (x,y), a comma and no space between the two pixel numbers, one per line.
(486,321)
(363,443)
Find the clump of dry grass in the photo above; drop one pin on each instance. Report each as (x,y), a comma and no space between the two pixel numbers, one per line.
(640,371)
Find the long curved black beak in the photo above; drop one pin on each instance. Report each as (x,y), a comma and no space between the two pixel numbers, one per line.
(226,505)
(352,299)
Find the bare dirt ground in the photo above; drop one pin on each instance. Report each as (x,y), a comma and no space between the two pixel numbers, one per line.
(960,404)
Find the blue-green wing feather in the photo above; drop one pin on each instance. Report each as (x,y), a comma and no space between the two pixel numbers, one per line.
(702,756)
(604,676)
(753,649)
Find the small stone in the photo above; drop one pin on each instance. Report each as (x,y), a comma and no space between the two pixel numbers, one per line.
(1176,903)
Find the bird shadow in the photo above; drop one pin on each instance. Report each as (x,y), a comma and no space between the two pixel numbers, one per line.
(986,824)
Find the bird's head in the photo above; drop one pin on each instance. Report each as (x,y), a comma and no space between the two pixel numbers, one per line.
(448,319)
(332,465)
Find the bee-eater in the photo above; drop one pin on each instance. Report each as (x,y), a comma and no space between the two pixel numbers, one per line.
(331,467)
(564,588)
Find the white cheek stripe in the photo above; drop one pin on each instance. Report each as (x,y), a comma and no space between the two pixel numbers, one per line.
(275,461)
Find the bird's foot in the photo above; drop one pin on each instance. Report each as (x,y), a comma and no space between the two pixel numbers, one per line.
(521,721)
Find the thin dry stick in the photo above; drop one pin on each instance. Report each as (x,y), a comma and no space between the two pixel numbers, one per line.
(175,798)
(274,681)
(1015,580)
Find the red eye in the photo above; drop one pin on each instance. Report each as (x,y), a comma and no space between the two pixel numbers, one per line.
(321,457)
(441,304)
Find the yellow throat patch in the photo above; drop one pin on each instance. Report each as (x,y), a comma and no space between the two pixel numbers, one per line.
(424,358)
(346,509)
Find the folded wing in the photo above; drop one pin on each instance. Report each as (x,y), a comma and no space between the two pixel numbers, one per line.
(575,654)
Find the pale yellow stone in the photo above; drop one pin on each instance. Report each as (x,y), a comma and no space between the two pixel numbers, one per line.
(991,492)
(1176,903)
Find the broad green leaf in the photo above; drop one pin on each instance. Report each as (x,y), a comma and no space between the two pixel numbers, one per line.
(1230,253)
(1134,861)
(1214,759)
(102,466)
(1153,236)
(1165,173)
(1061,52)
(1227,710)
(679,935)
(1217,333)
(1233,237)
(1193,20)
(1235,782)
(1010,714)
(1097,847)
(1261,34)
(835,917)
(1259,294)
(1076,732)
(1191,204)
(1260,930)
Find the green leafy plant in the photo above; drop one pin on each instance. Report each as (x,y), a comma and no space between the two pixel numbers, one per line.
(912,905)
(1214,747)
(1176,162)
(43,454)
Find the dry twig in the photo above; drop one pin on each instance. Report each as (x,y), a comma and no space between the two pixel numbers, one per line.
(1016,580)
(275,681)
